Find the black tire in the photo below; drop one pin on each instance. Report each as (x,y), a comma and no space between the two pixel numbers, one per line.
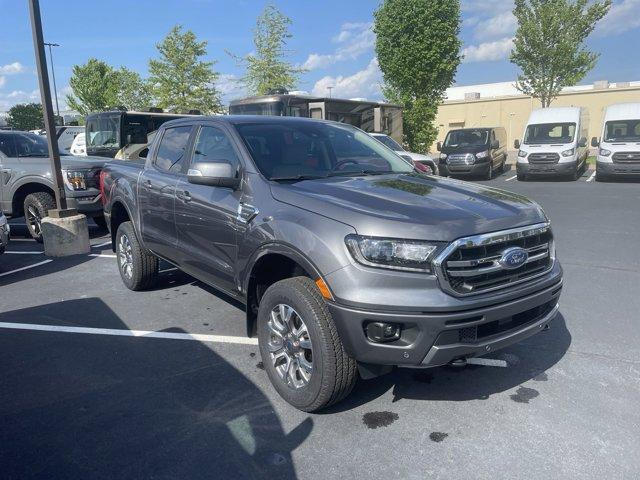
(333,373)
(489,174)
(143,271)
(100,222)
(36,206)
(576,174)
(521,177)
(600,177)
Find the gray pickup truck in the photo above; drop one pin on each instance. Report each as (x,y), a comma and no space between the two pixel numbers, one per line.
(348,260)
(26,185)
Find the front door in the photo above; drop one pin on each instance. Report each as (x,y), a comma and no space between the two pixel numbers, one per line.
(206,216)
(157,188)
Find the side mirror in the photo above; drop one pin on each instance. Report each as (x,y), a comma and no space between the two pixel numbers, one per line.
(439,146)
(516,144)
(213,174)
(595,142)
(582,142)
(143,153)
(495,144)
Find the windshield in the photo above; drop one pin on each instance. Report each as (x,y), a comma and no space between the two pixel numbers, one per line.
(295,150)
(103,131)
(23,144)
(547,133)
(263,108)
(389,142)
(622,131)
(466,138)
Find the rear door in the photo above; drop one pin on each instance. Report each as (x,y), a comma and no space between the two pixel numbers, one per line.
(206,216)
(157,189)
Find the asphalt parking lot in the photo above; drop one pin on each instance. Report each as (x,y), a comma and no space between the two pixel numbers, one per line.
(100,382)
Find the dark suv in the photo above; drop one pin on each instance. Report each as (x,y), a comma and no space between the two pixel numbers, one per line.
(473,152)
(348,260)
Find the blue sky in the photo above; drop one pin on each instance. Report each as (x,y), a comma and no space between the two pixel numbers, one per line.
(331,37)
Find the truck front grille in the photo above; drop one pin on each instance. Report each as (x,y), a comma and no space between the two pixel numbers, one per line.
(544,158)
(626,157)
(472,265)
(461,159)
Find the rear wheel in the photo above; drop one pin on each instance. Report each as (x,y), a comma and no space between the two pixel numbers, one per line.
(138,268)
(36,206)
(300,347)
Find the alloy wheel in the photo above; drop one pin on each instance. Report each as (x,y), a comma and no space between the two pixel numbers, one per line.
(290,346)
(34,220)
(125,256)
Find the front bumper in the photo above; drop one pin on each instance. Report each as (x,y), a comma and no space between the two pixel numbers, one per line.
(565,168)
(88,202)
(433,339)
(612,169)
(476,169)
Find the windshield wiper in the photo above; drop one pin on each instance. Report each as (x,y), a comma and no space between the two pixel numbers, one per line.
(297,178)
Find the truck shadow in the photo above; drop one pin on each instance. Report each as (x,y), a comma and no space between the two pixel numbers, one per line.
(526,361)
(101,406)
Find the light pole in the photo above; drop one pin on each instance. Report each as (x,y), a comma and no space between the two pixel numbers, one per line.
(53,75)
(330,88)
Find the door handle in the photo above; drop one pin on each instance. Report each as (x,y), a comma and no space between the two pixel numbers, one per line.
(185,196)
(148,182)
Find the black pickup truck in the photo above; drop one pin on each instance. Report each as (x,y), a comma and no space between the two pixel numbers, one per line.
(348,260)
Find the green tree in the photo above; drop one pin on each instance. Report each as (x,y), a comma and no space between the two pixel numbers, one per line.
(267,69)
(94,86)
(26,116)
(132,91)
(418,51)
(549,44)
(179,79)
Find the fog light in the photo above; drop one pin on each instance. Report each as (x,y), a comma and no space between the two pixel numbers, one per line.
(380,332)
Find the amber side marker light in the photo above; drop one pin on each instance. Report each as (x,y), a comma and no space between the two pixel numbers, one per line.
(324,289)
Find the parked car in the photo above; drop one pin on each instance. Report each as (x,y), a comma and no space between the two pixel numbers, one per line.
(4,232)
(619,149)
(430,165)
(554,143)
(473,152)
(79,146)
(27,188)
(65,134)
(348,261)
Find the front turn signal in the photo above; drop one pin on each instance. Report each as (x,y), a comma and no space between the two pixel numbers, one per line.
(324,289)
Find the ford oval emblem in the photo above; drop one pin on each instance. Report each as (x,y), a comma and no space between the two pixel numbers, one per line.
(513,258)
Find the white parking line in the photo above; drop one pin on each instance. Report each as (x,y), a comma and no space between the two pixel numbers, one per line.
(132,333)
(24,253)
(511,178)
(103,255)
(168,270)
(25,268)
(488,362)
(593,175)
(104,244)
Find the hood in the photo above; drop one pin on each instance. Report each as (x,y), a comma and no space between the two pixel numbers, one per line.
(72,161)
(632,146)
(411,206)
(546,147)
(416,157)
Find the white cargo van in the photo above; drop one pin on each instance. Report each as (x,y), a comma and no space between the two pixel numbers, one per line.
(619,152)
(554,143)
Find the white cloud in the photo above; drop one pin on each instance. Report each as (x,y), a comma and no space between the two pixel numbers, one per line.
(229,87)
(11,68)
(365,83)
(3,80)
(354,40)
(502,25)
(622,17)
(488,51)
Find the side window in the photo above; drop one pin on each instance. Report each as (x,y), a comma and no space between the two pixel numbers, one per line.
(172,148)
(213,145)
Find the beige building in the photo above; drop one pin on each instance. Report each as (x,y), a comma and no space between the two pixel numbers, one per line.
(501,105)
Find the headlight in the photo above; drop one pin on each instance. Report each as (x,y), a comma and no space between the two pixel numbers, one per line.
(604,152)
(75,179)
(522,153)
(484,154)
(395,254)
(568,153)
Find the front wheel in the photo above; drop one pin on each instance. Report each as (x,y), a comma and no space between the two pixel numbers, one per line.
(138,268)
(489,174)
(36,207)
(300,347)
(521,177)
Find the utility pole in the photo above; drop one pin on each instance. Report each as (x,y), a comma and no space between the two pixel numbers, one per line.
(330,88)
(53,75)
(45,94)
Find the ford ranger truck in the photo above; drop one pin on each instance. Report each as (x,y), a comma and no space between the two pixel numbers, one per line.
(349,261)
